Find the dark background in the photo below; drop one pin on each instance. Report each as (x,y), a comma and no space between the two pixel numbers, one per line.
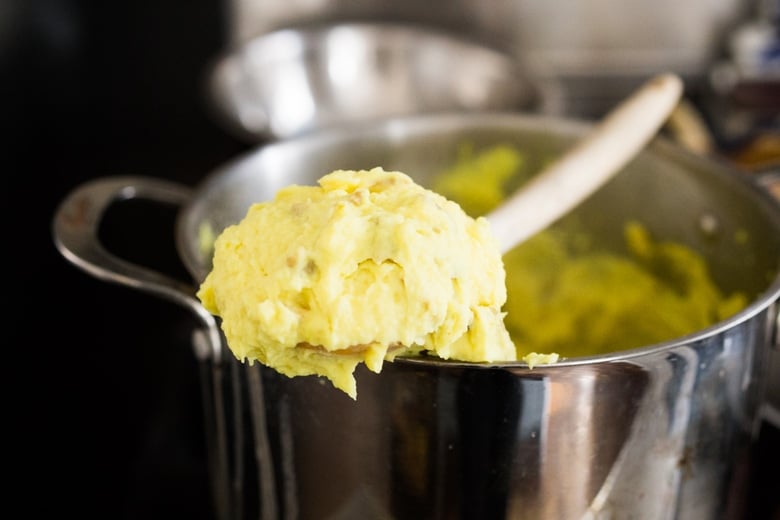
(106,414)
(103,390)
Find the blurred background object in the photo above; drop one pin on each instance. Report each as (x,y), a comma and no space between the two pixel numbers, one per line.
(744,90)
(599,50)
(298,79)
(108,423)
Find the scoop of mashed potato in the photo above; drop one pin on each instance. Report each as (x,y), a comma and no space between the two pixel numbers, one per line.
(567,298)
(361,268)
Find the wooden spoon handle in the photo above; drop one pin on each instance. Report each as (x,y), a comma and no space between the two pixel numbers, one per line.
(610,145)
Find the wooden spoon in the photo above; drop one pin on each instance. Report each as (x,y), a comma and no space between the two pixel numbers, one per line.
(595,159)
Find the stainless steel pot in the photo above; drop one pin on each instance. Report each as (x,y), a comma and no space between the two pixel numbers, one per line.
(661,431)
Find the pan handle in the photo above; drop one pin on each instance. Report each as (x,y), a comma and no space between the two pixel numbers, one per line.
(769,180)
(75,228)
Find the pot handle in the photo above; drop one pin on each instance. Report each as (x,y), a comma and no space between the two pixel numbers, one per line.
(75,228)
(769,180)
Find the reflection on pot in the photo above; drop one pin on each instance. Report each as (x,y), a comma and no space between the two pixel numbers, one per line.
(653,436)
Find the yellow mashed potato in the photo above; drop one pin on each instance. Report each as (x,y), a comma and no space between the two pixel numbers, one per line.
(566,299)
(363,267)
(325,277)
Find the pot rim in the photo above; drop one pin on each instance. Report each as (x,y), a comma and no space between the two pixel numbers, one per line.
(762,303)
(424,123)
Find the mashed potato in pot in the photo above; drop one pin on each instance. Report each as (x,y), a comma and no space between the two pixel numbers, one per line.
(566,297)
(368,265)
